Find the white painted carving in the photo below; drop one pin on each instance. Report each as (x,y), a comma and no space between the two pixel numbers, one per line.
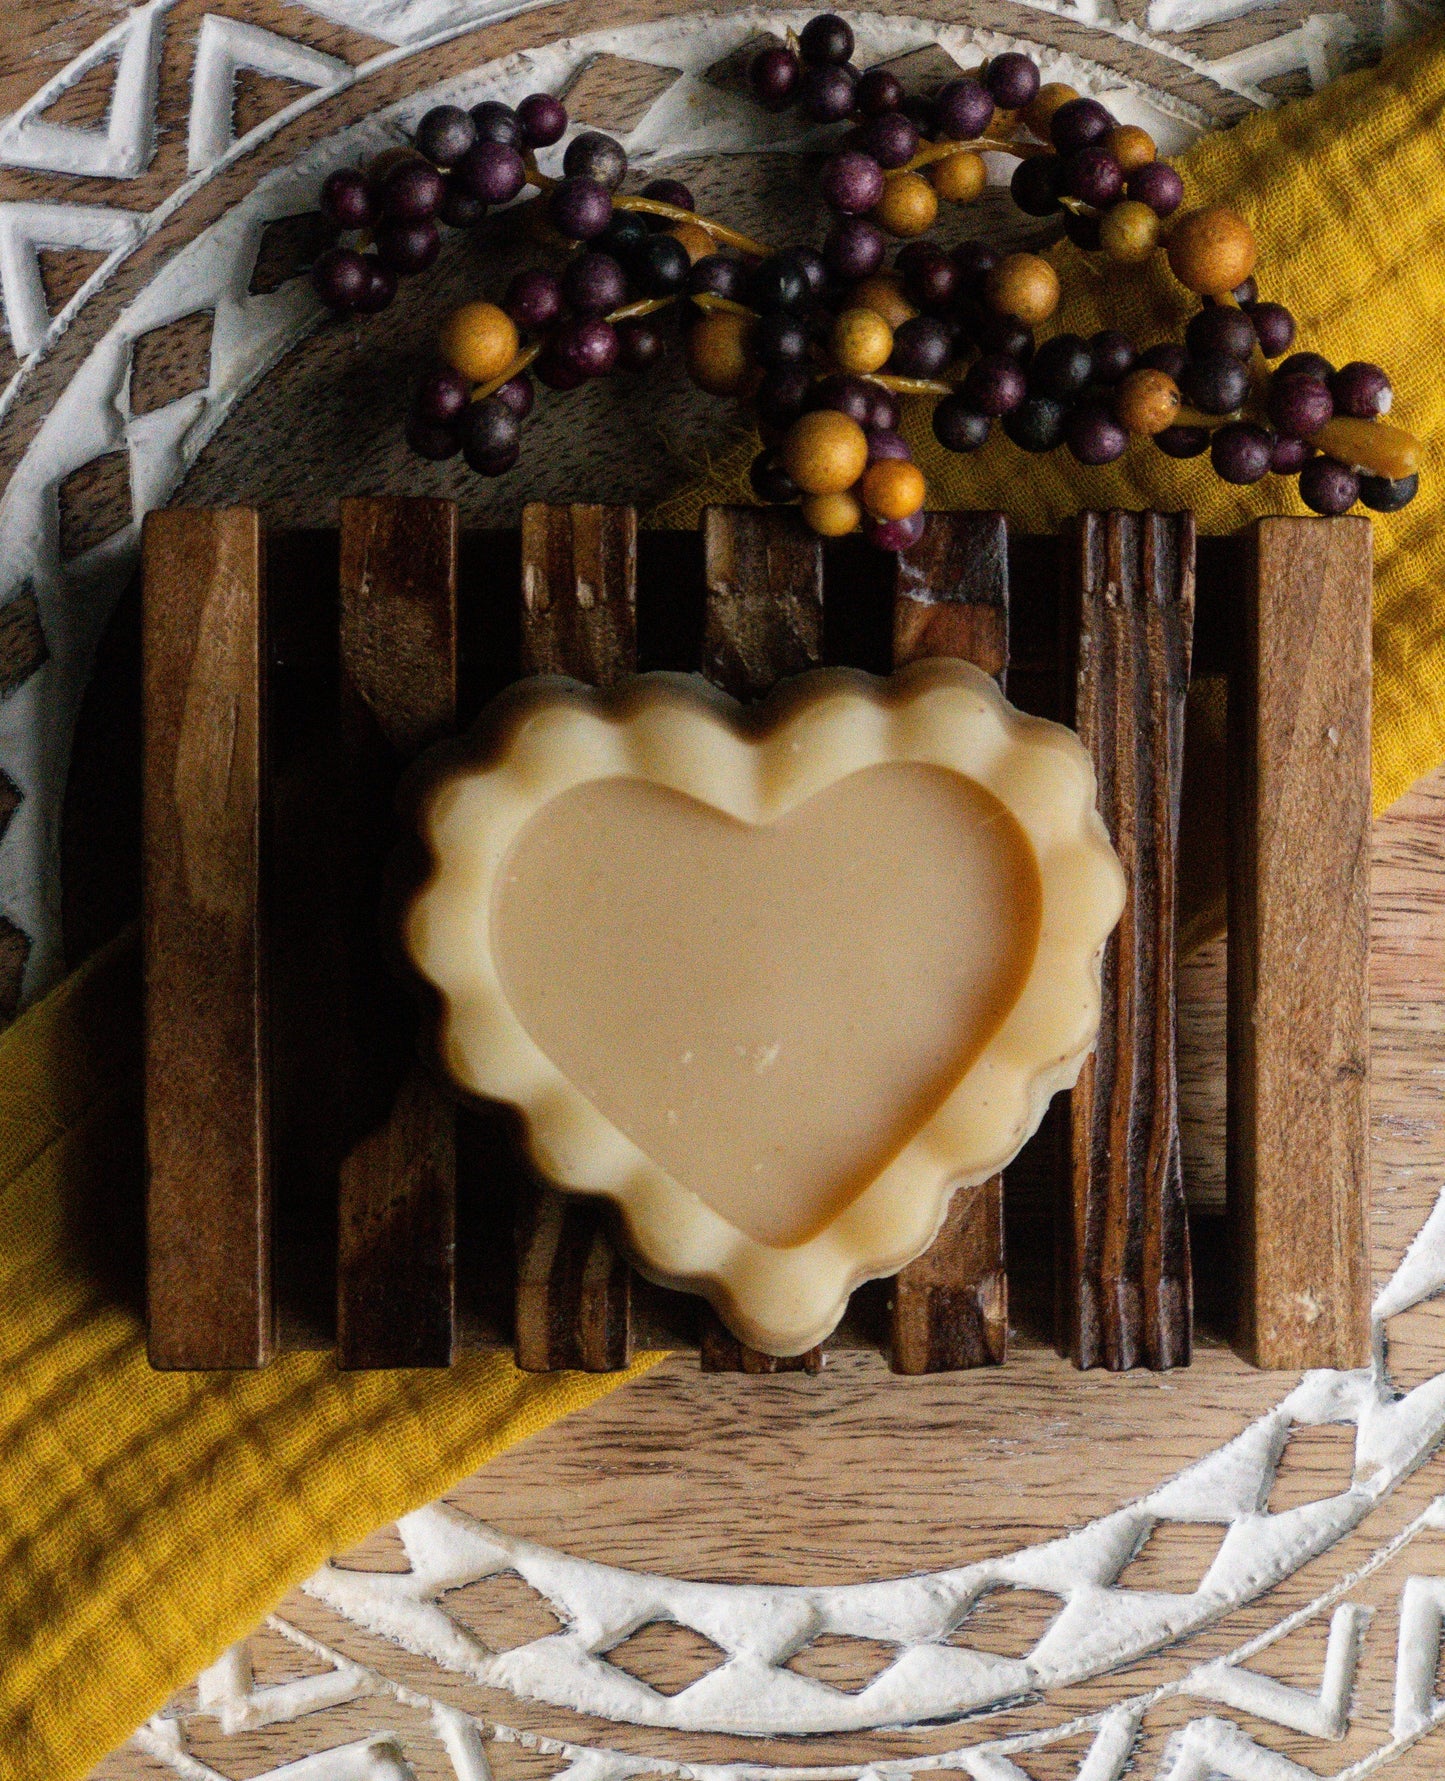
(123,148)
(27,228)
(1319,46)
(1322,1715)
(222,47)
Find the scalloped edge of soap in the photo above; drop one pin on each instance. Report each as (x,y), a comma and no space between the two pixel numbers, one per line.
(471,798)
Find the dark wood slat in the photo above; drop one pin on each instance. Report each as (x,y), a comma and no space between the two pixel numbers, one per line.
(1125,1281)
(762,621)
(579,617)
(949,1309)
(1299,904)
(208,1204)
(396,1227)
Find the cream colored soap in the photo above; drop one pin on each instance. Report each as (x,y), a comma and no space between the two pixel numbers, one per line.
(777,985)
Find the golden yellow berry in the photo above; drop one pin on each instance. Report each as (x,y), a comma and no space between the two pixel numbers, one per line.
(717,352)
(960,178)
(832,516)
(1129,231)
(1025,286)
(825,452)
(695,239)
(479,340)
(1038,114)
(909,205)
(862,341)
(1130,146)
(883,294)
(1211,250)
(893,489)
(1147,401)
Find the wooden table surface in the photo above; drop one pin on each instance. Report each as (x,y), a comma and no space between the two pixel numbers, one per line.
(854,1475)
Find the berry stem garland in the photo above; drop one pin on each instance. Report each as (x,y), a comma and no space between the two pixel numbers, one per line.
(822,344)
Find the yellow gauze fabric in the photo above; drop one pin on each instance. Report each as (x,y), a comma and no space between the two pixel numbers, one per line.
(1346,194)
(148,1520)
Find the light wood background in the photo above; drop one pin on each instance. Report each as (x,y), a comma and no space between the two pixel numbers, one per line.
(855,1474)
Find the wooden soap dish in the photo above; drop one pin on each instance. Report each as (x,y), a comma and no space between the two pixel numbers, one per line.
(288,682)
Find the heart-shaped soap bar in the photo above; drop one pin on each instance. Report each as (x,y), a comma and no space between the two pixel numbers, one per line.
(775,983)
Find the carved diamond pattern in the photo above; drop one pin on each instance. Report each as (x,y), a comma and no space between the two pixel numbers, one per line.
(502,1611)
(614,94)
(171,361)
(1007,1622)
(94,503)
(1174,1558)
(844,1662)
(1318,1462)
(22,651)
(666,1656)
(288,247)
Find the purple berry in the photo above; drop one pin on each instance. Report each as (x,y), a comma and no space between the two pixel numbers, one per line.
(542,120)
(773,76)
(1300,405)
(770,482)
(346,199)
(895,534)
(556,371)
(588,346)
(490,433)
(593,283)
(879,92)
(782,395)
(1036,184)
(854,249)
(922,347)
(962,109)
(1167,356)
(1385,495)
(828,94)
(1274,328)
(1113,356)
(432,440)
(851,183)
(780,282)
(975,260)
(1079,124)
(597,157)
(884,412)
(1289,455)
(380,286)
(580,209)
(495,122)
(995,384)
(1082,228)
(412,192)
(340,278)
(492,172)
(458,208)
(813,267)
(848,395)
(441,395)
(957,427)
(1005,334)
(1183,442)
(1215,383)
(1037,424)
(780,339)
(639,344)
(930,277)
(717,275)
(1012,79)
(669,191)
(1328,486)
(1241,452)
(826,39)
(445,134)
(883,442)
(518,394)
(1157,185)
(1306,364)
(1094,436)
(1093,176)
(1220,329)
(534,300)
(1062,367)
(892,140)
(1361,390)
(1246,293)
(408,247)
(660,265)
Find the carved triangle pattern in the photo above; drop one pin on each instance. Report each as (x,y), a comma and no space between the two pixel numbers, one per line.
(224,45)
(25,229)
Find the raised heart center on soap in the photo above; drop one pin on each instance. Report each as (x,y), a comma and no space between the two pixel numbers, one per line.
(768,1011)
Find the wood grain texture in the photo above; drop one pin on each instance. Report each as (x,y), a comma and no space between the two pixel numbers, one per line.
(206,1035)
(396,1227)
(762,621)
(949,1309)
(579,617)
(1124,1283)
(1299,904)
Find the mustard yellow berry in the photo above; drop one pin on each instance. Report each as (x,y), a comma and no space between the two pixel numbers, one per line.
(893,489)
(1025,286)
(1212,250)
(861,341)
(960,178)
(909,205)
(832,516)
(1129,232)
(825,452)
(479,340)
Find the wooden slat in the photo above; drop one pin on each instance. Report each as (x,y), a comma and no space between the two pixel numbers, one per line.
(762,621)
(1298,1121)
(579,617)
(1125,1282)
(396,1228)
(208,1204)
(949,1309)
